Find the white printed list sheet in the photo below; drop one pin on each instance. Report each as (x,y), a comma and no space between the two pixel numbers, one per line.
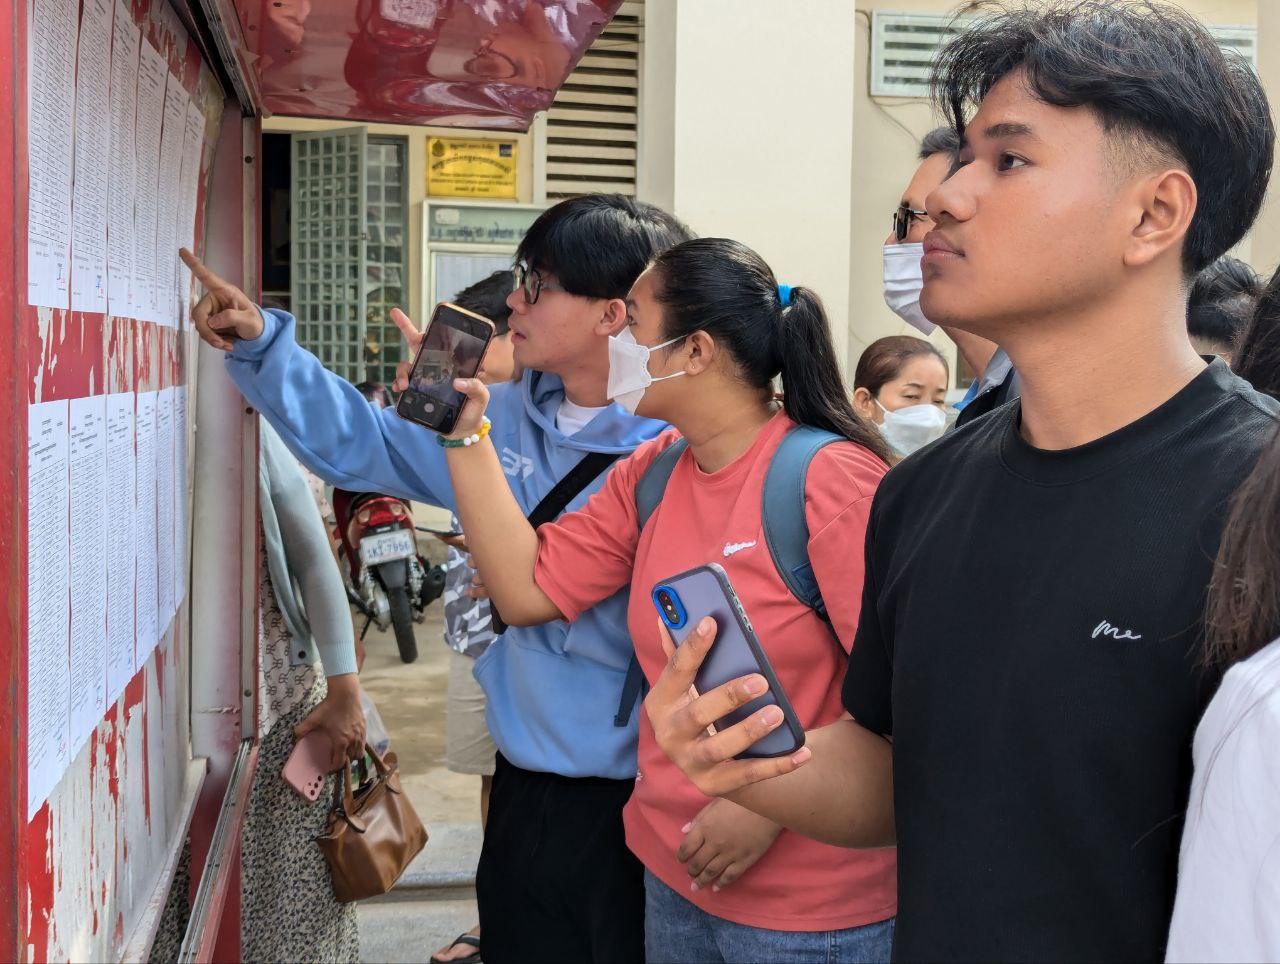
(50,136)
(48,614)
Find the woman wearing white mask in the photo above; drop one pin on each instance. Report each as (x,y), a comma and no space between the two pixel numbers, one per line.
(708,334)
(900,384)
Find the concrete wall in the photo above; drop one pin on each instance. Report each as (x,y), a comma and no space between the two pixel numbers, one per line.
(1266,234)
(746,108)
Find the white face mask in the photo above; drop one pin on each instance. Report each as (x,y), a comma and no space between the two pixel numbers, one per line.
(902,284)
(912,428)
(629,369)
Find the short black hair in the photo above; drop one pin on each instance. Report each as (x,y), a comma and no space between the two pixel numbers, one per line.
(1152,74)
(1257,357)
(597,245)
(488,297)
(940,140)
(1222,301)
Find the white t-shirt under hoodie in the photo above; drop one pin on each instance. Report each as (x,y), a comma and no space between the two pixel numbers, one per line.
(1228,902)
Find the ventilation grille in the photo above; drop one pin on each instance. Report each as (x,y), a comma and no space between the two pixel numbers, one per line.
(903,46)
(1242,40)
(591,127)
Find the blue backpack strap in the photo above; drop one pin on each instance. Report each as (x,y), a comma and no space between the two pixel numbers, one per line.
(649,492)
(786,530)
(653,483)
(633,690)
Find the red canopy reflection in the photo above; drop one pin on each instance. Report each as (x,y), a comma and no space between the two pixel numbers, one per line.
(461,63)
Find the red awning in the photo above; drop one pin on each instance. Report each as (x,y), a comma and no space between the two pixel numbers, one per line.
(489,64)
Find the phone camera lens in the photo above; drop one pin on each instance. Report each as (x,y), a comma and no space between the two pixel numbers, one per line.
(667,602)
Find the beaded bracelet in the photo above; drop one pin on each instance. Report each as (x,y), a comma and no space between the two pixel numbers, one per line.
(457,443)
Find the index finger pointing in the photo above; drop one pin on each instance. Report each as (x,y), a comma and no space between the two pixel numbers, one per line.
(199,269)
(406,326)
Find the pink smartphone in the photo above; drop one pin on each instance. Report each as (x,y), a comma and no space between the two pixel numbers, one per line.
(308,765)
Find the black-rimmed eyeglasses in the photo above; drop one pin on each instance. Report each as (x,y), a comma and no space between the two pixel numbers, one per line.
(530,281)
(902,219)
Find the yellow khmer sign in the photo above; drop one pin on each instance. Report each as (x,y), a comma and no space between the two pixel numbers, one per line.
(462,167)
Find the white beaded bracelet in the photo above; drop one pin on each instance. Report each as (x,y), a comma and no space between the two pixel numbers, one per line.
(467,441)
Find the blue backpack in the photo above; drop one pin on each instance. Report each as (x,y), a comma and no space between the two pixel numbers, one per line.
(786,530)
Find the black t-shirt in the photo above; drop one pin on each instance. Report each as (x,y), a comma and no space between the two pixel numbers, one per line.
(1030,635)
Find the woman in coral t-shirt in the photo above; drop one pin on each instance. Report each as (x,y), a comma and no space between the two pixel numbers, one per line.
(722,884)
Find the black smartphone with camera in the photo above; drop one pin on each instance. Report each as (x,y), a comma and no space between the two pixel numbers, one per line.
(453,346)
(685,600)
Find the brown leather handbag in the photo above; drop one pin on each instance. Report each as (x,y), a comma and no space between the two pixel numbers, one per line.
(373,832)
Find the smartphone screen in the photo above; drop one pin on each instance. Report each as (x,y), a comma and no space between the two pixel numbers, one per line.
(452,347)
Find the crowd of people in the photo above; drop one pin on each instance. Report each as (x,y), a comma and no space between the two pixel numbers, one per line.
(1038,669)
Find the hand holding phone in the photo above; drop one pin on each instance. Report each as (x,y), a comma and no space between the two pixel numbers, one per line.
(452,347)
(685,600)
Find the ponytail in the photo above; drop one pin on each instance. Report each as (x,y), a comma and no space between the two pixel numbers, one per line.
(726,289)
(813,392)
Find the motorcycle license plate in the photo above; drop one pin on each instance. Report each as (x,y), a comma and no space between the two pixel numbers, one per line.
(386,546)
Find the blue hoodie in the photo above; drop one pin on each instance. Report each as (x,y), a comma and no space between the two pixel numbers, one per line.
(552,690)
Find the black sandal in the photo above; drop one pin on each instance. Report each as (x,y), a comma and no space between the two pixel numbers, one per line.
(471,941)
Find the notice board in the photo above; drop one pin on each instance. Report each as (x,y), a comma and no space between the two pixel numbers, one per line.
(114,121)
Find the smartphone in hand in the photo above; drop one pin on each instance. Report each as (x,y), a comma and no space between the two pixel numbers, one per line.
(453,346)
(308,765)
(685,600)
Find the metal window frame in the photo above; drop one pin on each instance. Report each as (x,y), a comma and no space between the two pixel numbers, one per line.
(317,329)
(389,337)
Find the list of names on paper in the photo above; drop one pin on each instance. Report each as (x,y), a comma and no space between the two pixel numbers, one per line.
(93,145)
(121,541)
(48,562)
(50,132)
(88,457)
(124,98)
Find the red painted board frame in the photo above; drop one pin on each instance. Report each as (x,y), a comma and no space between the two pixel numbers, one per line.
(53,901)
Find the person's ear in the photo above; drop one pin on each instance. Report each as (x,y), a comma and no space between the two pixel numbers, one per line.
(1166,204)
(699,352)
(863,404)
(613,318)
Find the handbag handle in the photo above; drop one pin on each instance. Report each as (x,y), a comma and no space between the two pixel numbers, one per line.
(344,803)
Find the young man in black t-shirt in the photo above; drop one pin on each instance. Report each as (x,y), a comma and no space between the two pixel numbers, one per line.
(1026,676)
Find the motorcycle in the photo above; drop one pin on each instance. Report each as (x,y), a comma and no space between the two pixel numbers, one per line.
(389,581)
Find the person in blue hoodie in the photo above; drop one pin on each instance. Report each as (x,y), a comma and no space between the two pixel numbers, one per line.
(555,880)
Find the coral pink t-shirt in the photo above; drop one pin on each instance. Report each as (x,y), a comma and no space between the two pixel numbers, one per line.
(587,556)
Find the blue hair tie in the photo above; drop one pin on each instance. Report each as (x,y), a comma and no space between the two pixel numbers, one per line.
(784,294)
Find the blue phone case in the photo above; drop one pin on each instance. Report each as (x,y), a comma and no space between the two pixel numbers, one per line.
(706,591)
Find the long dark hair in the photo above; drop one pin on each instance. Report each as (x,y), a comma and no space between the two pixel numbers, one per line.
(1257,357)
(1244,594)
(726,289)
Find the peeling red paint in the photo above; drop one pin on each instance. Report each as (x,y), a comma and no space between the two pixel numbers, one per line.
(39,881)
(160,671)
(111,749)
(135,695)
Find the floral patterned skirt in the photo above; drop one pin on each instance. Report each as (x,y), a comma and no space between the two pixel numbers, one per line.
(289,912)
